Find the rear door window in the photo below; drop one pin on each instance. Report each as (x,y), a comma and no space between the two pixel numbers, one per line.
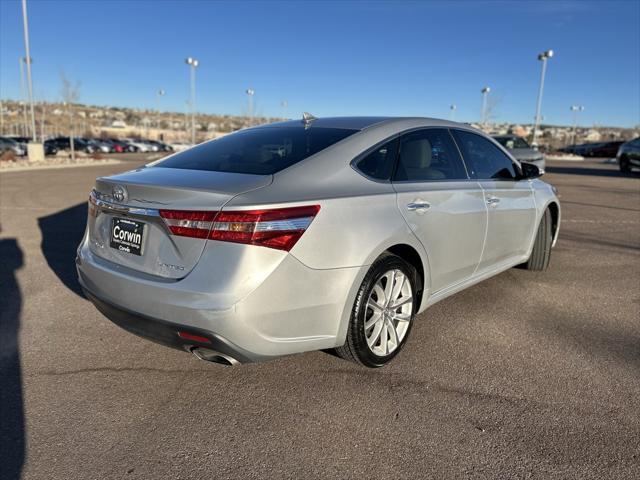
(378,164)
(485,160)
(260,151)
(429,155)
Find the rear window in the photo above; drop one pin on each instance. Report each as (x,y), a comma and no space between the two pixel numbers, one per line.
(260,151)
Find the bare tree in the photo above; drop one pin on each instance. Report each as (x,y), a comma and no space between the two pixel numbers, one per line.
(491,110)
(70,93)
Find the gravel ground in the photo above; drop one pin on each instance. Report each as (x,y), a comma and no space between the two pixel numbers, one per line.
(526,375)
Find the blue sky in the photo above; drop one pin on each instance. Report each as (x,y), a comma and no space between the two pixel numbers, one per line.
(336,58)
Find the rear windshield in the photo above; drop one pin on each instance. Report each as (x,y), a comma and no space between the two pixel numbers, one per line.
(260,151)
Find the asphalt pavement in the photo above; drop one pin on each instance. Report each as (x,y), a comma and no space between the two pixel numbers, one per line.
(526,375)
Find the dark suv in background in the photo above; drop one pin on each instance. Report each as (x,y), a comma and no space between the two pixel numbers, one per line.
(629,155)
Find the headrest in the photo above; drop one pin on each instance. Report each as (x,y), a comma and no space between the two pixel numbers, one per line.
(416,153)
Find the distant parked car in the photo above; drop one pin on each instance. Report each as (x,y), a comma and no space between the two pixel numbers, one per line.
(79,144)
(10,145)
(153,147)
(519,148)
(598,149)
(162,147)
(121,146)
(629,155)
(22,141)
(606,149)
(179,146)
(50,147)
(140,145)
(100,145)
(577,149)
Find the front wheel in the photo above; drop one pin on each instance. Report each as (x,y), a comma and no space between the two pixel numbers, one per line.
(625,166)
(383,312)
(541,253)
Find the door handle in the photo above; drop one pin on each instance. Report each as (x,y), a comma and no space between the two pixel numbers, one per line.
(419,206)
(493,201)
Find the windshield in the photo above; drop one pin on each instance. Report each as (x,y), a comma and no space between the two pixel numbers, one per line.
(260,151)
(512,142)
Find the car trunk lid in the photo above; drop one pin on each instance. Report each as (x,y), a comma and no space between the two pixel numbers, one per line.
(125,226)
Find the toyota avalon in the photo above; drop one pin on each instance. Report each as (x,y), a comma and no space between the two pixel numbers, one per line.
(324,233)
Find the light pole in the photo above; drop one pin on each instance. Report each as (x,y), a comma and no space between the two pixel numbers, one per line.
(543,57)
(250,93)
(42,114)
(485,93)
(23,102)
(452,114)
(193,64)
(284,104)
(25,22)
(575,109)
(159,95)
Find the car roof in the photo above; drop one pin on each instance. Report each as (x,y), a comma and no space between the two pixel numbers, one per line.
(361,123)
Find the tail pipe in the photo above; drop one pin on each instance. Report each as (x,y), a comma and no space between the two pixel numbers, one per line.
(212,356)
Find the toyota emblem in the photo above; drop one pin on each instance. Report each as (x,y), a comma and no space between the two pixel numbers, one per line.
(119,193)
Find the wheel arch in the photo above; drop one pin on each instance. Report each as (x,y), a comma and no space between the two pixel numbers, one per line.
(554,208)
(410,255)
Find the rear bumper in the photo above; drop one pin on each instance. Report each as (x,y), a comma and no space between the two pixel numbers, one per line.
(166,333)
(287,308)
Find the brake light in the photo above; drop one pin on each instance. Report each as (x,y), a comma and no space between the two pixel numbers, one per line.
(188,223)
(278,228)
(93,205)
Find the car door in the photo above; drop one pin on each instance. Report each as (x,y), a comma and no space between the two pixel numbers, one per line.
(510,201)
(441,204)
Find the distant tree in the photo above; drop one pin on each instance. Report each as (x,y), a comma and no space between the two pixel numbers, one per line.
(70,93)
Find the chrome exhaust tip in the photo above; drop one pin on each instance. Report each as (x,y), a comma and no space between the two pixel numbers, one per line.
(208,355)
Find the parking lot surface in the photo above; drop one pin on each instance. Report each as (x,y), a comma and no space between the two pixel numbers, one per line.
(524,375)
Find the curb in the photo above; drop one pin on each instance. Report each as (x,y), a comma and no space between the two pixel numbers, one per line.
(95,163)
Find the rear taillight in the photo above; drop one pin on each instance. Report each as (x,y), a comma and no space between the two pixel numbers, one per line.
(278,228)
(188,223)
(93,205)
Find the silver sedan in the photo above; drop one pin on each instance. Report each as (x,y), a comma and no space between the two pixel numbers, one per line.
(329,233)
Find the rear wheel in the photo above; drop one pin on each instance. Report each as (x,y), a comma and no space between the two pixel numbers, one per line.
(382,315)
(625,166)
(541,253)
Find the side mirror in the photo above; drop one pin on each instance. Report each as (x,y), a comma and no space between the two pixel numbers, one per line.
(531,171)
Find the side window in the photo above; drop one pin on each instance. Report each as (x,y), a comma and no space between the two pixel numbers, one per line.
(379,163)
(429,155)
(485,160)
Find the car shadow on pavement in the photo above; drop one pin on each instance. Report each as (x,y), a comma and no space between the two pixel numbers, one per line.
(12,434)
(61,235)
(602,172)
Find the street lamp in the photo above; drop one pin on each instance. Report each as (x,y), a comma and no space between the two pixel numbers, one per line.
(485,93)
(193,64)
(452,115)
(284,104)
(250,93)
(25,22)
(159,95)
(575,109)
(543,57)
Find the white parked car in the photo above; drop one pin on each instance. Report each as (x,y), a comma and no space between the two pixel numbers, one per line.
(313,234)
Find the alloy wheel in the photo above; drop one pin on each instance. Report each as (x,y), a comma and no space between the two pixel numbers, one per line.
(388,312)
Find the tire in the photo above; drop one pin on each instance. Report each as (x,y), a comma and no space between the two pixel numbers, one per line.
(373,290)
(625,166)
(541,253)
